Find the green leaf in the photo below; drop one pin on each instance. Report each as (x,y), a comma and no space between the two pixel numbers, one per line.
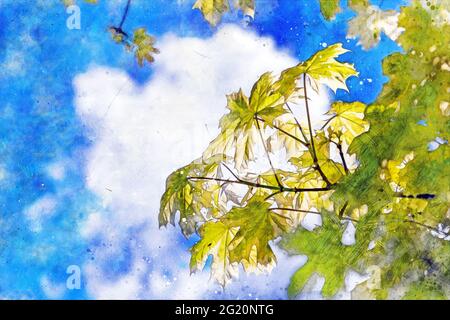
(347,119)
(144,46)
(213,10)
(215,241)
(370,23)
(258,225)
(322,68)
(187,196)
(327,256)
(329,8)
(238,128)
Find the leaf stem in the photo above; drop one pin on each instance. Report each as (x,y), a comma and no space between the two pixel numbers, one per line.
(313,148)
(267,153)
(286,133)
(298,124)
(125,14)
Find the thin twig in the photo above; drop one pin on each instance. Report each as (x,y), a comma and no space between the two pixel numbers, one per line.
(286,133)
(231,171)
(298,123)
(272,195)
(423,196)
(341,154)
(295,210)
(342,211)
(125,14)
(428,227)
(313,148)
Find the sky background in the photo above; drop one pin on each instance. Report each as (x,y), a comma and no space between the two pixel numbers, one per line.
(87,137)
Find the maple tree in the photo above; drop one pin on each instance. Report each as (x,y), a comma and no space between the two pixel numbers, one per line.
(396,193)
(383,168)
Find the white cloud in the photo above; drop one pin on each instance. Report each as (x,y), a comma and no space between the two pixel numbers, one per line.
(141,134)
(57,170)
(39,212)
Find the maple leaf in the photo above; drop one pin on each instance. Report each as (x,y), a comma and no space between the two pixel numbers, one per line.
(348,119)
(327,256)
(144,46)
(238,128)
(257,226)
(186,196)
(215,241)
(322,68)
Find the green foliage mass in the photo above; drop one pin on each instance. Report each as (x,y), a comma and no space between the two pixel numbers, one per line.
(383,168)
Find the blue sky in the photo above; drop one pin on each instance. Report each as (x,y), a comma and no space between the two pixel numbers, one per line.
(49,136)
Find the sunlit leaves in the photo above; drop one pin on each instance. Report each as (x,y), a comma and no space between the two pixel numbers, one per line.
(323,68)
(347,119)
(395,151)
(187,196)
(213,10)
(215,241)
(257,226)
(396,192)
(284,137)
(240,236)
(238,127)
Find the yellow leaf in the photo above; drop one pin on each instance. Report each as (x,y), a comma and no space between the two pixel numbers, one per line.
(348,119)
(323,68)
(215,241)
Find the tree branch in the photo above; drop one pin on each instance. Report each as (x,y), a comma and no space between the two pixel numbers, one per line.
(262,186)
(423,196)
(341,154)
(428,227)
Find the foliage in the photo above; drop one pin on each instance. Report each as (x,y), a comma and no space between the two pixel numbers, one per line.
(141,43)
(371,22)
(329,8)
(213,10)
(396,193)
